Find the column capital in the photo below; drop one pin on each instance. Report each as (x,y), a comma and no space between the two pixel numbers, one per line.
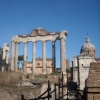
(43,40)
(17,42)
(62,35)
(12,40)
(53,40)
(34,41)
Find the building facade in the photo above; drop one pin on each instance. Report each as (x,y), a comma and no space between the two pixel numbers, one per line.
(49,66)
(39,67)
(81,63)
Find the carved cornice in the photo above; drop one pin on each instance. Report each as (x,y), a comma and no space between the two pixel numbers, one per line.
(63,35)
(40,37)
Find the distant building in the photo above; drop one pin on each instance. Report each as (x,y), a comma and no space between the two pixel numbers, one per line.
(67,64)
(81,63)
(39,67)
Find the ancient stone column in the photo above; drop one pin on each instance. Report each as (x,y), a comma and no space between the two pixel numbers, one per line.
(6,60)
(12,55)
(75,71)
(3,58)
(62,53)
(65,53)
(4,53)
(53,57)
(25,57)
(16,56)
(44,57)
(6,56)
(34,58)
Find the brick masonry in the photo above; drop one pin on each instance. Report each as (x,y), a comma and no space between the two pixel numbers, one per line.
(93,82)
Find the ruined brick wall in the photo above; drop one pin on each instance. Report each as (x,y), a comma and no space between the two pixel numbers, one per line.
(93,82)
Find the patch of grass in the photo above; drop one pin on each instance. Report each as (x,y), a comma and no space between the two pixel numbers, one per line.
(56,73)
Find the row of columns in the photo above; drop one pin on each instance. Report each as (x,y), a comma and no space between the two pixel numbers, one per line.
(14,56)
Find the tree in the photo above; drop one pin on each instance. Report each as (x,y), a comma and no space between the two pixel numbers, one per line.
(20,59)
(68,71)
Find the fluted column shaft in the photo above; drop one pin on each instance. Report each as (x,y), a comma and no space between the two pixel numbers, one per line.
(12,55)
(3,57)
(53,57)
(16,57)
(34,58)
(6,60)
(25,56)
(44,57)
(6,56)
(65,53)
(62,55)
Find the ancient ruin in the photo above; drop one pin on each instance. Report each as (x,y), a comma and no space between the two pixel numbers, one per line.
(39,34)
(23,85)
(4,57)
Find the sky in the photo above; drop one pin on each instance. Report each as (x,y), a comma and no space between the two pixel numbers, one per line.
(78,17)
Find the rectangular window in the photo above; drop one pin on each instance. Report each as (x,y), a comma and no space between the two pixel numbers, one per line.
(38,64)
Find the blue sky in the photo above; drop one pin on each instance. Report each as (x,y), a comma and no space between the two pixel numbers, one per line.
(78,17)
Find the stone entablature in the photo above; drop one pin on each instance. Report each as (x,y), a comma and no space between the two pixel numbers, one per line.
(35,39)
(39,34)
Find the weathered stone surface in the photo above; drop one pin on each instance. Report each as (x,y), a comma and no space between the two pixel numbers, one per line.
(93,82)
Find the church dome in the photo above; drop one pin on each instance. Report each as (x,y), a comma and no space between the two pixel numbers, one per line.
(88,48)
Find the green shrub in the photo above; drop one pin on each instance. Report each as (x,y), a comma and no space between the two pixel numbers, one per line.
(68,71)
